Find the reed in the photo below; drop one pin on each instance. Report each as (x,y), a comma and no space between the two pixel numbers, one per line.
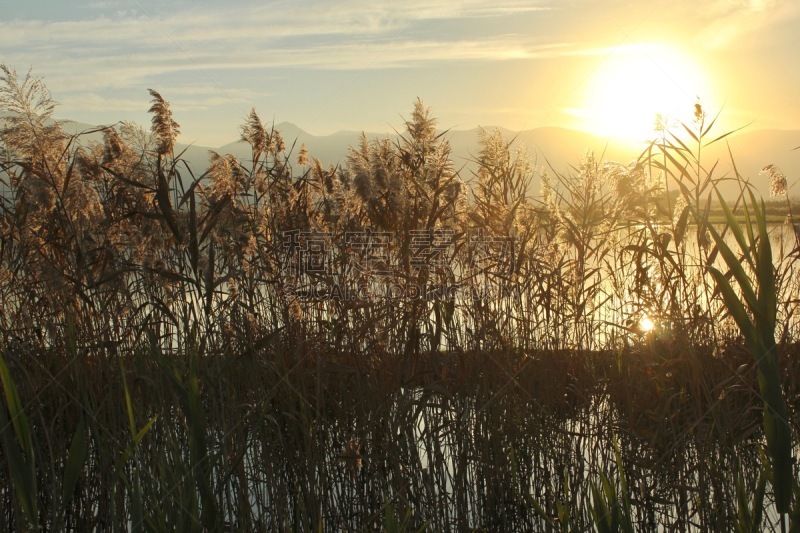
(383,344)
(753,306)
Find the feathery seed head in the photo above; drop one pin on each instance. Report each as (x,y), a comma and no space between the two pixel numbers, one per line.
(165,129)
(254,133)
(777,180)
(112,146)
(302,157)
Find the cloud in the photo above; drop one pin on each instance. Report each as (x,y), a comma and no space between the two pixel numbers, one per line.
(732,23)
(91,100)
(259,24)
(184,99)
(105,53)
(204,59)
(115,52)
(126,69)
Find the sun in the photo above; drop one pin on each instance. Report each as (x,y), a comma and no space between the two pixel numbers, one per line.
(637,85)
(646,324)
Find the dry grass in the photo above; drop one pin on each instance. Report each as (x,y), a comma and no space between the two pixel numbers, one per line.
(181,364)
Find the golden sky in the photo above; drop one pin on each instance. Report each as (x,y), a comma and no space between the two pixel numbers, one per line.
(606,67)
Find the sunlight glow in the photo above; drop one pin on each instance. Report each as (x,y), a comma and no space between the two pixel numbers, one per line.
(635,84)
(646,324)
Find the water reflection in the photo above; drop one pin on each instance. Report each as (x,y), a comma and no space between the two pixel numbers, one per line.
(495,460)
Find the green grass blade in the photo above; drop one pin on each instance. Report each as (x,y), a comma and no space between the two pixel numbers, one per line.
(735,267)
(18,448)
(758,501)
(734,306)
(765,274)
(600,513)
(744,520)
(128,404)
(779,443)
(76,458)
(15,410)
(24,485)
(736,229)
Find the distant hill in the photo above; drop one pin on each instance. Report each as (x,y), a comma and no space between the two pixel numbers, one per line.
(558,146)
(550,147)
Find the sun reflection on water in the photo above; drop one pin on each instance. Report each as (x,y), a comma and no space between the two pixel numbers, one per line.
(646,324)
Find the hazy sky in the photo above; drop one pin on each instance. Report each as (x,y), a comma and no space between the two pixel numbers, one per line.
(359,65)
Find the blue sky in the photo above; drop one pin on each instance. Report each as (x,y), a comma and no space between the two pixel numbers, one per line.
(357,65)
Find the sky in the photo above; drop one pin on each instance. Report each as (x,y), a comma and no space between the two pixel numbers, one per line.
(603,67)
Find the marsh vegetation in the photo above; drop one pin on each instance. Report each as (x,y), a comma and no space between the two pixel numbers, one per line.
(269,344)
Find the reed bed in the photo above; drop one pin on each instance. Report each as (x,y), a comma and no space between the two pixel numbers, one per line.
(387,344)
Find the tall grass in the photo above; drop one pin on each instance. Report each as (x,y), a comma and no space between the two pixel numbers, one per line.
(276,346)
(754,306)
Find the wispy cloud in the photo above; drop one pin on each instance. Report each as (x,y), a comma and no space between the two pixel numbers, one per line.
(185,99)
(124,66)
(737,22)
(100,58)
(101,55)
(267,23)
(107,52)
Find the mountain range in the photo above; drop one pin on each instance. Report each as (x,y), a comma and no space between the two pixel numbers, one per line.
(557,149)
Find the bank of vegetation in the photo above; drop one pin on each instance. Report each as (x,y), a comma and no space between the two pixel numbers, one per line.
(271,344)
